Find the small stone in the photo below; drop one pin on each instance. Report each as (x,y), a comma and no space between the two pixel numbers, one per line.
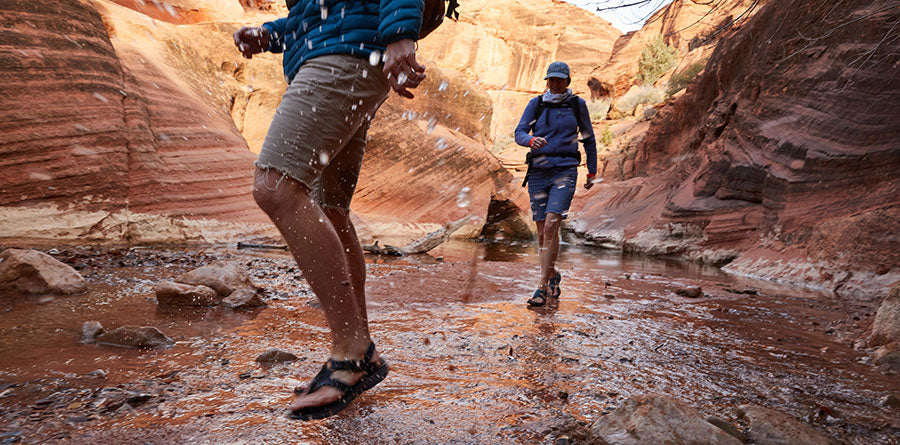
(276,356)
(97,373)
(245,298)
(690,291)
(90,330)
(889,401)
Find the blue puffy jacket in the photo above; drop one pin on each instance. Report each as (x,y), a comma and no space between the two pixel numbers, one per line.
(316,28)
(559,127)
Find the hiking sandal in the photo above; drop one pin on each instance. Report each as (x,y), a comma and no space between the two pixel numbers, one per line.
(539,298)
(374,373)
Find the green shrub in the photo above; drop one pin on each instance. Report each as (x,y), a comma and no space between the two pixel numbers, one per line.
(649,95)
(656,59)
(598,109)
(683,78)
(606,136)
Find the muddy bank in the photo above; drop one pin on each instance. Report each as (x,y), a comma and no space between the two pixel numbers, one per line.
(470,363)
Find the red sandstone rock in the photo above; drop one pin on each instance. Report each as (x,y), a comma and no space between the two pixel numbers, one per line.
(781,158)
(34,272)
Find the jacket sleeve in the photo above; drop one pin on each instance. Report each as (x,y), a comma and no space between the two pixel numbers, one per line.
(587,134)
(276,35)
(526,123)
(399,19)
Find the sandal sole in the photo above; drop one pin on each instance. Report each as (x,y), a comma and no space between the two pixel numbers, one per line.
(366,383)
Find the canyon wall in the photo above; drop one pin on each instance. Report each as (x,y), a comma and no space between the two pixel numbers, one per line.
(780,161)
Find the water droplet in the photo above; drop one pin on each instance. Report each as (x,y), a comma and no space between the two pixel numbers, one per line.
(463,198)
(324,10)
(443,86)
(374,58)
(441,144)
(101,98)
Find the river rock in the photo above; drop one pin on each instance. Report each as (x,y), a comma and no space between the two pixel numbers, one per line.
(90,330)
(144,337)
(770,427)
(886,327)
(657,419)
(169,293)
(33,272)
(223,278)
(690,291)
(888,356)
(276,356)
(245,298)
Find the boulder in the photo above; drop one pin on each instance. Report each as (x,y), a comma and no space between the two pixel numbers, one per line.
(888,357)
(276,356)
(223,278)
(244,299)
(143,337)
(886,327)
(169,293)
(33,272)
(657,419)
(770,427)
(90,330)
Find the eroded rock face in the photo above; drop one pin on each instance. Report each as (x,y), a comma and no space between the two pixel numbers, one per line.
(105,141)
(143,337)
(657,419)
(693,27)
(33,272)
(779,163)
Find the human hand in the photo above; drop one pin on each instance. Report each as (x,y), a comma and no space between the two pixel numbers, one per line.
(251,40)
(538,143)
(590,181)
(401,68)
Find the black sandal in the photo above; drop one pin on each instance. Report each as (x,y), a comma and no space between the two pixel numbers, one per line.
(539,298)
(374,373)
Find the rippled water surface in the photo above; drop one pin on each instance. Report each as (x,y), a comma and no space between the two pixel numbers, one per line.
(470,363)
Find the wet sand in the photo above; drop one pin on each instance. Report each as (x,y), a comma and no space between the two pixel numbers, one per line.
(470,363)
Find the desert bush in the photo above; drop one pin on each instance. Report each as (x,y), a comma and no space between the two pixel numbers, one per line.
(649,95)
(683,78)
(598,109)
(606,136)
(656,59)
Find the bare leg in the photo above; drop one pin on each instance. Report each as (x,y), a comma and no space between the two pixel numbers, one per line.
(548,239)
(340,219)
(324,260)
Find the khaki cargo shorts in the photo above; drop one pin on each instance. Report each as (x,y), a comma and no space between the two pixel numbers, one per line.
(318,134)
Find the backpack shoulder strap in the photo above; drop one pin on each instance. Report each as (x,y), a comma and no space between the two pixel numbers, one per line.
(540,109)
(576,110)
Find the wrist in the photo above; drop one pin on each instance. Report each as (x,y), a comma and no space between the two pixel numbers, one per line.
(591,175)
(531,142)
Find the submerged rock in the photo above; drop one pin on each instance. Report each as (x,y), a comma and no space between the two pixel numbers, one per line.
(690,291)
(657,419)
(144,337)
(169,293)
(90,330)
(276,356)
(244,299)
(886,327)
(888,357)
(770,427)
(33,272)
(223,278)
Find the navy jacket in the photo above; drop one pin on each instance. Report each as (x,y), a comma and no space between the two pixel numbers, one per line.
(354,27)
(559,128)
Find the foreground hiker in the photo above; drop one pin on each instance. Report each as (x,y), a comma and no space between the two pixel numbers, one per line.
(550,125)
(310,161)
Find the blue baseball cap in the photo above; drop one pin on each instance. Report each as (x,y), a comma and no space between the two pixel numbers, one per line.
(557,69)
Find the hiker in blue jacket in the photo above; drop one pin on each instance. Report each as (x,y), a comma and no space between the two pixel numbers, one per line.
(549,126)
(341,59)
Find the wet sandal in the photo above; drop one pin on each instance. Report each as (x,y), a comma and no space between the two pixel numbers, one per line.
(553,285)
(538,299)
(374,373)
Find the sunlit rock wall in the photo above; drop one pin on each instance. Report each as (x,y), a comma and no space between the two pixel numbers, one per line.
(691,26)
(781,161)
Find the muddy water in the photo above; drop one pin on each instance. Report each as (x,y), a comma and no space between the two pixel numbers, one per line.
(470,363)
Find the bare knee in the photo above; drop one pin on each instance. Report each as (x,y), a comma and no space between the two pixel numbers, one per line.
(272,191)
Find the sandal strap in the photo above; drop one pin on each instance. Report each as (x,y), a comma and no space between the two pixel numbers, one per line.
(364,364)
